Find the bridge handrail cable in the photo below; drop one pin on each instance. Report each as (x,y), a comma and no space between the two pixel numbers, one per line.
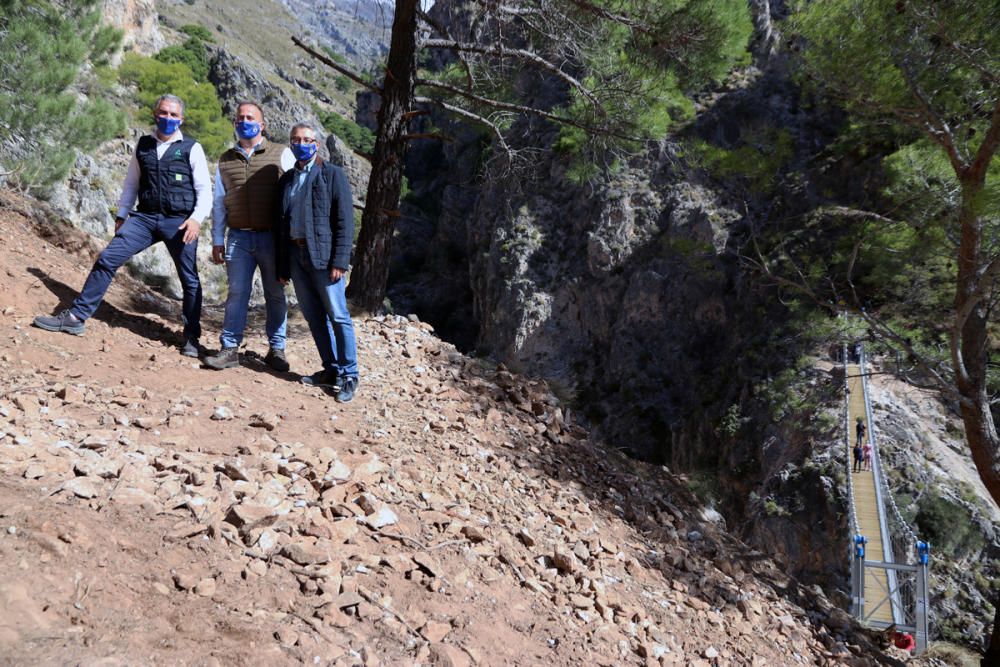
(900,523)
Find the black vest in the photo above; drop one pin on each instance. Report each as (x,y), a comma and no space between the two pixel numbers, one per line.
(165,186)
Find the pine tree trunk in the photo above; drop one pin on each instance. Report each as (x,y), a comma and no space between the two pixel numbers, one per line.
(370,273)
(992,656)
(970,350)
(970,357)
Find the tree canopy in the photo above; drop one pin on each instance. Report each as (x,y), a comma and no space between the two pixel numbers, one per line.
(929,72)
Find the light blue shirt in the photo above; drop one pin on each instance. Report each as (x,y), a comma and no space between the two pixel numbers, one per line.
(219,200)
(297,230)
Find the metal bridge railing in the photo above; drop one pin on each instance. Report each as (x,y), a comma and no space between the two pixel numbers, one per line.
(906,558)
(902,533)
(855,528)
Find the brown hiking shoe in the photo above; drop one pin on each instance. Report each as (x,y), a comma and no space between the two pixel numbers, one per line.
(228,357)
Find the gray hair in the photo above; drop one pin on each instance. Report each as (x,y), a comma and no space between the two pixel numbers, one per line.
(303,125)
(169,98)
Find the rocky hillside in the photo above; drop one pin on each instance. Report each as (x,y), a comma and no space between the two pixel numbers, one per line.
(939,491)
(626,293)
(631,295)
(453,514)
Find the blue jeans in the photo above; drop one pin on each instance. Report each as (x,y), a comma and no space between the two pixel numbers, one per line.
(245,251)
(324,306)
(140,231)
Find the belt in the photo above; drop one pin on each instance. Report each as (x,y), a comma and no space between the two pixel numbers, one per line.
(249,229)
(299,242)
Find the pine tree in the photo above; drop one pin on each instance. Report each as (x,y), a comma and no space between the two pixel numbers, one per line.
(43,50)
(932,67)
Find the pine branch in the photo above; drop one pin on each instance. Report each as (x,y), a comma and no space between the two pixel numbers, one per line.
(470,80)
(987,149)
(523,54)
(346,71)
(468,115)
(621,19)
(934,124)
(520,108)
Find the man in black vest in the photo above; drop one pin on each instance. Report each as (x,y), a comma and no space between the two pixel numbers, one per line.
(169,176)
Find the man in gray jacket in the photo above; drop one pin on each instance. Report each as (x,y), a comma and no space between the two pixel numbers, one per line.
(313,235)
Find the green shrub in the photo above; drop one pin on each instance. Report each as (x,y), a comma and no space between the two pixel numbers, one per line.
(357,137)
(342,83)
(772,508)
(198,32)
(947,525)
(191,53)
(757,162)
(203,119)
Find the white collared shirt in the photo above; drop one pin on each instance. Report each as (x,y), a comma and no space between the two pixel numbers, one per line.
(199,174)
(219,215)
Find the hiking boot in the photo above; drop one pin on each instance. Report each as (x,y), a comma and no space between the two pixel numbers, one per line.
(191,348)
(347,388)
(276,359)
(227,357)
(65,321)
(324,378)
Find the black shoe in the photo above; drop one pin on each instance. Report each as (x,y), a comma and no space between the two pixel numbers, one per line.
(276,359)
(324,378)
(65,321)
(191,348)
(347,388)
(228,357)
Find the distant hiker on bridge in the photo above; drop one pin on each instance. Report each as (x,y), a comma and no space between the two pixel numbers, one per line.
(860,429)
(867,455)
(169,176)
(314,233)
(246,195)
(857,457)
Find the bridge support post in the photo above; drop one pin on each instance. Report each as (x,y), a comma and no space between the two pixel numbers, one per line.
(923,558)
(858,577)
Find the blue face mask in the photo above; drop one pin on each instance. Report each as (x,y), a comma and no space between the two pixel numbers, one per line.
(166,125)
(247,129)
(303,152)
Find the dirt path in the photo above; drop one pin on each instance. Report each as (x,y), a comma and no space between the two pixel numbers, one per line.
(153,512)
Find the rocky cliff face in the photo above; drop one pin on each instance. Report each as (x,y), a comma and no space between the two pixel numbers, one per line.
(139,21)
(358,29)
(630,295)
(938,490)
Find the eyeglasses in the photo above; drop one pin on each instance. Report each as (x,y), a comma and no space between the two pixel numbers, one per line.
(297,141)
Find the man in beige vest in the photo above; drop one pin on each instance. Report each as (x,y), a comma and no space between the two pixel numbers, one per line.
(246,191)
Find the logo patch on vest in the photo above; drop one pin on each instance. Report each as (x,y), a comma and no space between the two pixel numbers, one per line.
(178,177)
(178,153)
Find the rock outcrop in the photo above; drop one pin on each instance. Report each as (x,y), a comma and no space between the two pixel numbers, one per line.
(139,21)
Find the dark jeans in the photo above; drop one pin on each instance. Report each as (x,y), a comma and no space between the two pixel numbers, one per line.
(324,307)
(140,231)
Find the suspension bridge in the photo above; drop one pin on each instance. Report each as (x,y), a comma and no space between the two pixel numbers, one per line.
(888,563)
